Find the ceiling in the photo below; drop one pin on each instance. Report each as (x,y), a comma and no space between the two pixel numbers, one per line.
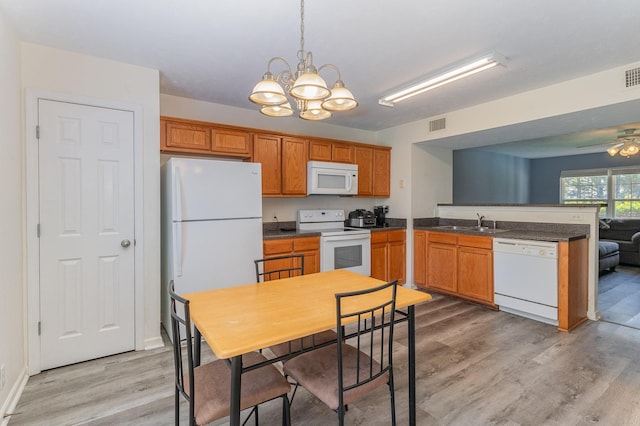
(216,51)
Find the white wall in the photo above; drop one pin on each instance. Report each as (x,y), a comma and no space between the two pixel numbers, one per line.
(12,344)
(71,73)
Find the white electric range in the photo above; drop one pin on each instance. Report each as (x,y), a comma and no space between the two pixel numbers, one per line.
(341,247)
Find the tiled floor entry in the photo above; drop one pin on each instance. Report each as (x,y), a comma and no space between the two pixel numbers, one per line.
(619,296)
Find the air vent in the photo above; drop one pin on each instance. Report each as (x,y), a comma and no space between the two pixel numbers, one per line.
(632,77)
(438,124)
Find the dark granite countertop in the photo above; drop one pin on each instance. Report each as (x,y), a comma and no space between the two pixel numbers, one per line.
(553,232)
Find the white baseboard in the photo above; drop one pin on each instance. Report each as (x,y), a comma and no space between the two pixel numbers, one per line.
(153,343)
(15,393)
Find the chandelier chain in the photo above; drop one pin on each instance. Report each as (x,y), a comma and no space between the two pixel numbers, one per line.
(301,51)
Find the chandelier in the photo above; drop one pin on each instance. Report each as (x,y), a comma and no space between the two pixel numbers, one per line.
(627,144)
(309,91)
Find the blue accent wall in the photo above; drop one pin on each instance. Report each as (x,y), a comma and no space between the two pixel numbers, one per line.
(486,177)
(545,172)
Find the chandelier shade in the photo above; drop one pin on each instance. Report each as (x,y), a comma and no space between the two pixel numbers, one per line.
(283,110)
(307,88)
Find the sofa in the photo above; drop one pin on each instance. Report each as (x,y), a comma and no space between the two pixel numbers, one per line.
(626,233)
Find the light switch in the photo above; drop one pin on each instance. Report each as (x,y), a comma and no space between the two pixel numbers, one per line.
(402,183)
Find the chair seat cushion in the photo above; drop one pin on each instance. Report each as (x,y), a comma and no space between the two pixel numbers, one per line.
(306,342)
(317,371)
(607,247)
(212,387)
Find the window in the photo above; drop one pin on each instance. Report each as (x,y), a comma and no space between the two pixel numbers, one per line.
(618,190)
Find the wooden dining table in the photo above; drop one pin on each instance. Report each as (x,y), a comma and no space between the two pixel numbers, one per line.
(245,318)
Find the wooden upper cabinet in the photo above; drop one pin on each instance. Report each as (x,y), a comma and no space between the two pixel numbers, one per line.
(229,141)
(294,166)
(195,137)
(186,137)
(364,160)
(382,172)
(267,151)
(319,150)
(342,153)
(284,164)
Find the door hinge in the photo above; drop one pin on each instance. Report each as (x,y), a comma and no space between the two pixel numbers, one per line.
(39,328)
(38,230)
(37,132)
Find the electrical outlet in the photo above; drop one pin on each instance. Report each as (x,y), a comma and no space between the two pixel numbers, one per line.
(2,377)
(275,218)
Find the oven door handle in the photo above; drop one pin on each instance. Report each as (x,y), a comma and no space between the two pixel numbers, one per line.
(333,238)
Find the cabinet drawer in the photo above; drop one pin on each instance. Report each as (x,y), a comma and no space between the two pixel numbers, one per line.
(398,235)
(306,243)
(379,237)
(443,237)
(276,247)
(475,241)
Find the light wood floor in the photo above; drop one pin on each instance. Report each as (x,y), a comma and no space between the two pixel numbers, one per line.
(475,367)
(619,296)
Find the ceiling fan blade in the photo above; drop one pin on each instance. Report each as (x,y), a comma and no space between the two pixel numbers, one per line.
(613,144)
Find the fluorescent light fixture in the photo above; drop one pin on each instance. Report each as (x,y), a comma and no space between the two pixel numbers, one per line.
(469,68)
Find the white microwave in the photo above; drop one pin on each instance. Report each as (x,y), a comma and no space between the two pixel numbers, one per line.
(332,178)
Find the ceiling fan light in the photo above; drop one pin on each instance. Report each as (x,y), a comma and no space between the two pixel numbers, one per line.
(283,110)
(613,151)
(268,92)
(341,99)
(314,111)
(309,86)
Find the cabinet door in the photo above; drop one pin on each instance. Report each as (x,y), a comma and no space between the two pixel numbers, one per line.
(397,256)
(294,166)
(187,137)
(232,142)
(420,258)
(379,255)
(310,248)
(475,273)
(279,247)
(364,160)
(441,266)
(342,153)
(319,150)
(267,151)
(381,173)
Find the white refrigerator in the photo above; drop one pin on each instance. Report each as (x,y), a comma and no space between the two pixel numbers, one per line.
(211,225)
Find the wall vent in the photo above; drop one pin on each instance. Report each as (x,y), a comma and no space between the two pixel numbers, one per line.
(437,124)
(632,77)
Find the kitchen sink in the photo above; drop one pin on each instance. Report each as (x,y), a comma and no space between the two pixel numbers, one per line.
(483,229)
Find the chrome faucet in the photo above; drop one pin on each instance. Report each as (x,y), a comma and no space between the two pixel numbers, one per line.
(480,219)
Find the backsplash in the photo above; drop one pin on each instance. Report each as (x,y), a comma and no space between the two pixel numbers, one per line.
(285,209)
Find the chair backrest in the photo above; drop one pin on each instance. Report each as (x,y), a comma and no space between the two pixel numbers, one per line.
(373,311)
(181,331)
(274,268)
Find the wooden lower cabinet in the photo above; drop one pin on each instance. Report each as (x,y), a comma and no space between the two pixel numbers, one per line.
(388,255)
(455,264)
(307,246)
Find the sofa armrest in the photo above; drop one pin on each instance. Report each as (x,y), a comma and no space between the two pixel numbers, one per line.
(635,239)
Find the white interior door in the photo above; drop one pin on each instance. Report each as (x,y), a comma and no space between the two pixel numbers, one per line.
(86,207)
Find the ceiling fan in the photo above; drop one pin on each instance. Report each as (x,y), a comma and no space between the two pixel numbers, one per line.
(625,144)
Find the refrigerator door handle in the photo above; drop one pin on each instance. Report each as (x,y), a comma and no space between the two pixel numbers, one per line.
(177,249)
(177,200)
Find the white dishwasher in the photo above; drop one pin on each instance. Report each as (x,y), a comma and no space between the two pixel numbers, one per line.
(526,278)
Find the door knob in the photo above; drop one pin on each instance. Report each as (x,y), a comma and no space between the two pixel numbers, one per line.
(125,243)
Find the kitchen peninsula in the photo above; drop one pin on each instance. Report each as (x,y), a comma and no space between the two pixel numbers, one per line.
(454,252)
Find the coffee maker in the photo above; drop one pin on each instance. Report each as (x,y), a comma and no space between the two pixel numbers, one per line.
(380,212)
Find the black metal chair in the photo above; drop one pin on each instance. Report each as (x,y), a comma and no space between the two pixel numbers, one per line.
(343,372)
(277,267)
(207,387)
